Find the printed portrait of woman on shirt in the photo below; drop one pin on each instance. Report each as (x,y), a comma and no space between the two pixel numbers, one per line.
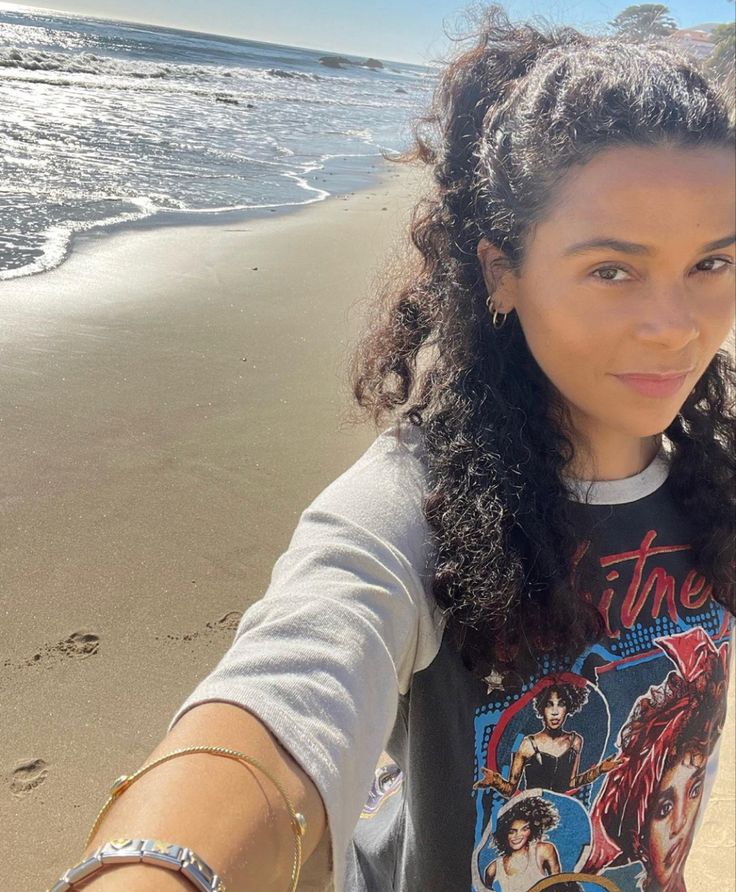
(648,806)
(524,855)
(550,758)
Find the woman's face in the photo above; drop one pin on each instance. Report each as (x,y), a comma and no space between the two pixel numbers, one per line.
(555,711)
(519,835)
(655,298)
(670,824)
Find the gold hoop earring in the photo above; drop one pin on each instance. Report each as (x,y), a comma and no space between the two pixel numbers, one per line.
(496,315)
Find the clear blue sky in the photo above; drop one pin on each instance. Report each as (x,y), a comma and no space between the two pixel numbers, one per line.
(402,30)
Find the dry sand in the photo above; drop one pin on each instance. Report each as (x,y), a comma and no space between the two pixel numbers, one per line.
(167,411)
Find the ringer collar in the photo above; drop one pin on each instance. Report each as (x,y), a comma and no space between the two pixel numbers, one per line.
(627,489)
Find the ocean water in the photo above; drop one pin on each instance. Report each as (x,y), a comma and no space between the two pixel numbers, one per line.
(104,122)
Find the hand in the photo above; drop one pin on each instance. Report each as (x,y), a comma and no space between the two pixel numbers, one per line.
(490,779)
(610,763)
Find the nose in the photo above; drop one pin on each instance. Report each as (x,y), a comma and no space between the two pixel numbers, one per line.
(667,317)
(678,819)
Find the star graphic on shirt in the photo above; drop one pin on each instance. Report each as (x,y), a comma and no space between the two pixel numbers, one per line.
(494,682)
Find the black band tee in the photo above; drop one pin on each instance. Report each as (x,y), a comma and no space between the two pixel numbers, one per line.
(588,776)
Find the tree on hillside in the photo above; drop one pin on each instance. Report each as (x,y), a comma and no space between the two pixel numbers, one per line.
(648,21)
(720,63)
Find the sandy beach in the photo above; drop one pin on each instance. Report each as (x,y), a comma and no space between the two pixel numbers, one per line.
(170,401)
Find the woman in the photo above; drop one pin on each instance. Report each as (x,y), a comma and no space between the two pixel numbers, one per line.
(665,747)
(555,354)
(525,857)
(550,759)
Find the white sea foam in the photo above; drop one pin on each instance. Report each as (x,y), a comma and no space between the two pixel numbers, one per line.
(89,63)
(105,123)
(57,239)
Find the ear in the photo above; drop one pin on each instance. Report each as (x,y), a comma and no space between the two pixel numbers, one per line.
(498,276)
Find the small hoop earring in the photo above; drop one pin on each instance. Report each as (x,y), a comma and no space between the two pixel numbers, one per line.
(496,315)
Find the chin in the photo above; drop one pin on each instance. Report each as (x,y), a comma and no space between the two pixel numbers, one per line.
(653,426)
(654,430)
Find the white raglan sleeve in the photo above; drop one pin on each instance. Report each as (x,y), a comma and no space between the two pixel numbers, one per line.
(344,623)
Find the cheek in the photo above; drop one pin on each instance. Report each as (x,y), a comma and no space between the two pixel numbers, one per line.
(724,334)
(718,312)
(564,340)
(659,837)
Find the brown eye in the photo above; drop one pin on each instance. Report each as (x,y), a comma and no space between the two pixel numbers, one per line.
(711,260)
(608,273)
(663,809)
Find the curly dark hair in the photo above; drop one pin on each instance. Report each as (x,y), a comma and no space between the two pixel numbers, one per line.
(572,696)
(539,813)
(509,118)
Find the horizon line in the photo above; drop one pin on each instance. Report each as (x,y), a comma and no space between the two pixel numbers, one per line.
(6,4)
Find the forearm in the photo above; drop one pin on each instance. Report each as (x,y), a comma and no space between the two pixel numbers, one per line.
(587,777)
(505,787)
(231,816)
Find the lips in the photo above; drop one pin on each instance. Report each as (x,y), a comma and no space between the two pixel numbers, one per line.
(655,385)
(658,376)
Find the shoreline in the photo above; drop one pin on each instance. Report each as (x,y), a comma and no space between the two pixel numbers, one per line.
(357,180)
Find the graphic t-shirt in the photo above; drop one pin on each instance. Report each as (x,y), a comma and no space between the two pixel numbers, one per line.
(585,777)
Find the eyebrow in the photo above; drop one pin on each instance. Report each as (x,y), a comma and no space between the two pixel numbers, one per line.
(669,793)
(614,244)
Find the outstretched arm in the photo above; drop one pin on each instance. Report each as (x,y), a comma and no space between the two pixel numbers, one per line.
(592,774)
(508,787)
(232,817)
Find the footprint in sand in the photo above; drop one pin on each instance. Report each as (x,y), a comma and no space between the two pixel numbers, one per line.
(27,776)
(79,645)
(228,622)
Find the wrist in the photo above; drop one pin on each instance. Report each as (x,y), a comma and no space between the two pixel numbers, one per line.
(141,877)
(165,856)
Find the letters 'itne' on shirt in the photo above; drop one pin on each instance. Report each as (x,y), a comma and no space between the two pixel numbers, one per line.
(436,781)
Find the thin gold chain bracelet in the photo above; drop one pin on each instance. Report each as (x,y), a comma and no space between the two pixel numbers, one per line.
(298,821)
